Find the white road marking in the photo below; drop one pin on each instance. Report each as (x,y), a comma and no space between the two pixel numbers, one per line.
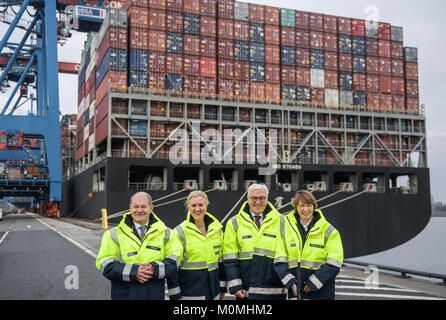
(4,236)
(373,288)
(392,296)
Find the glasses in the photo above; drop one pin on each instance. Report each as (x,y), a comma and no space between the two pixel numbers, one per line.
(254,199)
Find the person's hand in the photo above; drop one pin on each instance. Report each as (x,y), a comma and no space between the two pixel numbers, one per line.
(222,295)
(144,272)
(294,289)
(240,294)
(307,289)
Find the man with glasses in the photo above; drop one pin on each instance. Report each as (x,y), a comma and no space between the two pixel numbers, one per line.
(249,250)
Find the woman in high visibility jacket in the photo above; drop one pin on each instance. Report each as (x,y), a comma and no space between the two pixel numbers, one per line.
(201,274)
(315,244)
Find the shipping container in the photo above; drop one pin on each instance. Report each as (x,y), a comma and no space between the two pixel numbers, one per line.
(371,46)
(115,38)
(345,80)
(288,93)
(192,84)
(317,59)
(138,79)
(241,90)
(174,42)
(384,31)
(396,33)
(138,17)
(396,50)
(257,32)
(345,62)
(192,44)
(385,84)
(242,70)
(288,55)
(257,72)
(303,94)
(157,4)
(272,15)
(373,101)
(372,83)
(288,75)
(332,98)
(330,24)
(157,82)
(241,11)
(174,63)
(358,28)
(226,88)
(225,29)
(208,47)
(359,82)
(272,54)
(331,60)
(256,13)
(272,35)
(288,18)
(384,49)
(272,73)
(317,78)
(412,90)
(225,49)
(359,64)
(175,5)
(372,65)
(157,61)
(174,21)
(331,79)
(317,95)
(138,127)
(385,102)
(359,98)
(241,31)
(344,26)
(302,57)
(346,98)
(174,82)
(303,77)
(208,67)
(257,52)
(209,86)
(371,29)
(397,68)
(226,9)
(272,92)
(316,22)
(157,40)
(398,86)
(225,69)
(192,65)
(410,54)
(191,24)
(345,43)
(191,6)
(138,60)
(398,103)
(139,38)
(411,69)
(114,59)
(385,66)
(413,105)
(302,20)
(257,91)
(330,42)
(359,46)
(316,40)
(288,36)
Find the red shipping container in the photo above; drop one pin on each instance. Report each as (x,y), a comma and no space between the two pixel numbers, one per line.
(208,26)
(384,31)
(102,109)
(398,68)
(316,40)
(396,50)
(330,42)
(174,63)
(331,79)
(272,34)
(316,22)
(385,84)
(257,91)
(138,17)
(413,106)
(256,13)
(225,28)
(272,92)
(385,66)
(272,73)
(412,71)
(118,4)
(303,38)
(331,60)
(157,40)
(371,47)
(225,49)
(302,57)
(302,20)
(372,65)
(288,75)
(344,25)
(157,61)
(115,38)
(225,69)
(330,24)
(384,49)
(226,88)
(191,6)
(192,44)
(318,95)
(345,62)
(412,89)
(80,151)
(385,102)
(226,9)
(208,8)
(118,83)
(359,82)
(358,28)
(192,65)
(208,67)
(303,77)
(241,30)
(242,70)
(81,94)
(139,38)
(272,54)
(208,46)
(174,5)
(192,84)
(373,101)
(241,90)
(288,36)
(157,4)
(209,86)
(157,19)
(174,21)
(157,82)
(101,131)
(398,103)
(272,15)
(372,83)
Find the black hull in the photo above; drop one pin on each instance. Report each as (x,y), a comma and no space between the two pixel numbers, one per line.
(368,223)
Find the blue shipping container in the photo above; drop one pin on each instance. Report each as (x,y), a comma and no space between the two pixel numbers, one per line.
(114,59)
(257,72)
(303,93)
(345,80)
(345,43)
(139,60)
(174,82)
(174,42)
(359,64)
(138,128)
(288,55)
(257,52)
(241,50)
(138,79)
(257,32)
(87,117)
(81,79)
(358,46)
(288,93)
(191,23)
(359,98)
(317,59)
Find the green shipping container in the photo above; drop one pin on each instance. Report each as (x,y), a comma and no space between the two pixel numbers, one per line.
(287,18)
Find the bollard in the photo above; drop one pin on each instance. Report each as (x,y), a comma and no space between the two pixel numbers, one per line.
(104,219)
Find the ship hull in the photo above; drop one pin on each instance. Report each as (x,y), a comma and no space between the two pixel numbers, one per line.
(368,222)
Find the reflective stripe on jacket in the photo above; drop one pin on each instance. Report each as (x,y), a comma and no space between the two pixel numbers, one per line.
(122,252)
(201,273)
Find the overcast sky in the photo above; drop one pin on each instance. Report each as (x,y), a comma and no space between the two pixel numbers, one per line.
(424,25)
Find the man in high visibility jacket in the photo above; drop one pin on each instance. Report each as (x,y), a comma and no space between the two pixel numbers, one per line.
(320,249)
(139,254)
(249,248)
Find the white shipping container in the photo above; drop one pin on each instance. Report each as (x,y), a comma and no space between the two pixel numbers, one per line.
(317,78)
(92,111)
(241,11)
(346,98)
(91,65)
(332,97)
(91,142)
(80,108)
(86,131)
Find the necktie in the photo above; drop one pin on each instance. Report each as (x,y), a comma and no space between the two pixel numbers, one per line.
(142,232)
(257,220)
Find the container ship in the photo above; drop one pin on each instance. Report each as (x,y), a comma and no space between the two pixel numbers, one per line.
(177,95)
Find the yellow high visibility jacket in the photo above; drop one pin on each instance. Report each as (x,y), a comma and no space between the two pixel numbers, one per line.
(122,252)
(201,273)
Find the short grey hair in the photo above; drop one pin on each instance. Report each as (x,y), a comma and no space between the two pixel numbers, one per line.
(149,197)
(258,186)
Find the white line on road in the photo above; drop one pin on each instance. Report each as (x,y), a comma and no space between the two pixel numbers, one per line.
(4,236)
(83,248)
(393,296)
(373,288)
